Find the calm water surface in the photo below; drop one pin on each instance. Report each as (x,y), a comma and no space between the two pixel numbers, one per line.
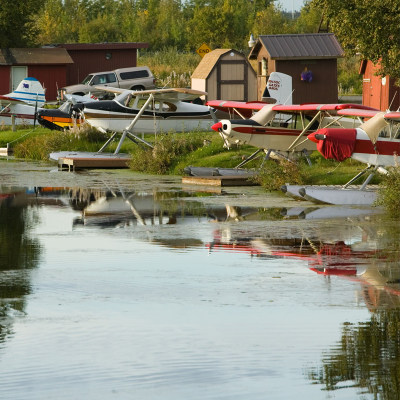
(131,287)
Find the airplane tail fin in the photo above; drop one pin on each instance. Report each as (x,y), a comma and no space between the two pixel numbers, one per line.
(30,91)
(278,89)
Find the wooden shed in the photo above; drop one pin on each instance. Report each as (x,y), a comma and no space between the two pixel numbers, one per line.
(225,74)
(97,57)
(47,65)
(378,92)
(310,59)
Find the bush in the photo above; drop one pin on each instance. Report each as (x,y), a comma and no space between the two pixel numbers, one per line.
(274,174)
(168,149)
(79,139)
(389,192)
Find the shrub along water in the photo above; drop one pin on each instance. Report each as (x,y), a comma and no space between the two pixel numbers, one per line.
(389,192)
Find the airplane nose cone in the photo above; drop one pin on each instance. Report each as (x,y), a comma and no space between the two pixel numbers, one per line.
(217,126)
(312,137)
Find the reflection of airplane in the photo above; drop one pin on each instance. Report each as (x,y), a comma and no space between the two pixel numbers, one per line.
(279,127)
(68,115)
(19,107)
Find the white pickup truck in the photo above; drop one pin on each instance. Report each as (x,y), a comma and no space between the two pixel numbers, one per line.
(135,78)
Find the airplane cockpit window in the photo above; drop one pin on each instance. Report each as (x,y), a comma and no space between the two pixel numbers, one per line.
(167,106)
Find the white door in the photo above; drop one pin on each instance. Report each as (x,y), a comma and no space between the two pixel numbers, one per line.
(17,75)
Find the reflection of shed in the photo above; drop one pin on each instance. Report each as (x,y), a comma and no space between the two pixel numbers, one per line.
(378,92)
(225,74)
(47,65)
(310,59)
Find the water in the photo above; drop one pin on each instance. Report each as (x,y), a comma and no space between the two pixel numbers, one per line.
(115,285)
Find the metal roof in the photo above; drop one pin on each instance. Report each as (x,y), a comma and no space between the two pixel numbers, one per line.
(105,46)
(31,56)
(301,46)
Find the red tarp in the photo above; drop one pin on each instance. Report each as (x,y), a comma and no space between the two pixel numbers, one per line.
(338,143)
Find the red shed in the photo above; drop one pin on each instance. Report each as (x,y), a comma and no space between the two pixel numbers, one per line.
(47,65)
(96,57)
(378,92)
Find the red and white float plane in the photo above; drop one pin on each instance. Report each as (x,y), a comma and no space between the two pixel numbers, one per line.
(376,142)
(280,127)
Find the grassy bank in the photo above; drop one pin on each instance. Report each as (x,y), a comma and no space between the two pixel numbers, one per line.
(174,151)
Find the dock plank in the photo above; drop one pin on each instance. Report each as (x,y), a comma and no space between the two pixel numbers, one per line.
(236,180)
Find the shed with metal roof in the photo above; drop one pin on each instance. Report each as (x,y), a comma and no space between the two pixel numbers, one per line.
(47,65)
(225,74)
(310,59)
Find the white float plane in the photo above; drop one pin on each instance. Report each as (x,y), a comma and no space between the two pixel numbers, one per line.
(20,106)
(148,111)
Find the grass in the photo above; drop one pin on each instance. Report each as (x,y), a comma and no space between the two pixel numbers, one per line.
(175,151)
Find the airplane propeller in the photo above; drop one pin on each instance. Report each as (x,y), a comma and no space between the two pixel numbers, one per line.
(217,127)
(35,113)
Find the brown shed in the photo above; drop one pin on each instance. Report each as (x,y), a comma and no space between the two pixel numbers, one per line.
(310,59)
(378,92)
(96,57)
(47,65)
(225,74)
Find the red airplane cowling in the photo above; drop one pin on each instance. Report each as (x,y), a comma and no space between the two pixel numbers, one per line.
(217,126)
(334,143)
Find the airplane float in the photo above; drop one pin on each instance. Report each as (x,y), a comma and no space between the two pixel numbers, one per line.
(20,106)
(279,127)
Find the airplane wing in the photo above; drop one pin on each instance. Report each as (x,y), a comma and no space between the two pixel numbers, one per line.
(393,115)
(246,108)
(172,94)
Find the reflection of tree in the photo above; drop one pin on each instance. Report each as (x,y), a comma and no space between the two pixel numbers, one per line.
(368,354)
(17,252)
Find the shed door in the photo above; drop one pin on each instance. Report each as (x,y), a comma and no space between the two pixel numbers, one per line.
(232,81)
(17,75)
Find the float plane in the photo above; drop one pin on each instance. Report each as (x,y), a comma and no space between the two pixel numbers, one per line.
(149,111)
(20,106)
(280,127)
(376,142)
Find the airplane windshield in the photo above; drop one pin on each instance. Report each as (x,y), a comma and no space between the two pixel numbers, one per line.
(87,80)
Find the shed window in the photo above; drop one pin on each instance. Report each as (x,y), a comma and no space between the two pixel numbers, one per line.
(264,67)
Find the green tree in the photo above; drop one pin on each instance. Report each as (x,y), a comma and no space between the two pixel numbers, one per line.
(368,27)
(14,18)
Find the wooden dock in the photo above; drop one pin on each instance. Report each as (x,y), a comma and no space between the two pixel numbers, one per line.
(74,163)
(233,180)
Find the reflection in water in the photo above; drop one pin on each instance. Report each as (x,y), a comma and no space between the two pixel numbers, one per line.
(363,251)
(367,356)
(18,252)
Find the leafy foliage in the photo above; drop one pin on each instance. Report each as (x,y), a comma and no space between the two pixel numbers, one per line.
(272,175)
(367,27)
(389,192)
(168,149)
